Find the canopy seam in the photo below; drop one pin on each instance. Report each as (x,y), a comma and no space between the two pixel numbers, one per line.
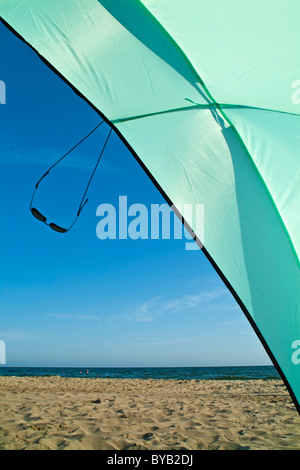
(214,105)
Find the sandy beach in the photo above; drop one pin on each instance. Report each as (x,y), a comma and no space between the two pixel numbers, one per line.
(83,413)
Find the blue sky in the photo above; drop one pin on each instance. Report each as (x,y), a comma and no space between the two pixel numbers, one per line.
(75,300)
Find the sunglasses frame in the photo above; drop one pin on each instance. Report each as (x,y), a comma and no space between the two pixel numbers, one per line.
(38,215)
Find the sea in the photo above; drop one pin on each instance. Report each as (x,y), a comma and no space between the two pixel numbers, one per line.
(165,373)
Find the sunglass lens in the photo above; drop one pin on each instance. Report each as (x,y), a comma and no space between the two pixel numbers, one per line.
(38,215)
(57,228)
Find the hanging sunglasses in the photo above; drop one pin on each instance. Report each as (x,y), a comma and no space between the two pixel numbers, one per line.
(38,215)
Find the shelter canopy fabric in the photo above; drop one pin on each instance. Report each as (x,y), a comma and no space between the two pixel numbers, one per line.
(202,92)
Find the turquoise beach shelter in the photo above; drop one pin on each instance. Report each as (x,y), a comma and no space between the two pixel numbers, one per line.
(206,95)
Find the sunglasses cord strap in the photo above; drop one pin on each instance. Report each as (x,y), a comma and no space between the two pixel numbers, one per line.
(69,151)
(82,204)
